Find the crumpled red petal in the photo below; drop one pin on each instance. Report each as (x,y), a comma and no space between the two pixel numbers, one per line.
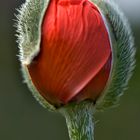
(75,51)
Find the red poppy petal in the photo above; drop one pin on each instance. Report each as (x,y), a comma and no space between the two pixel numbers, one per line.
(96,86)
(75,47)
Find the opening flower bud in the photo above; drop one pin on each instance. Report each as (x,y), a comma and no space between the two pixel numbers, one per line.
(73,50)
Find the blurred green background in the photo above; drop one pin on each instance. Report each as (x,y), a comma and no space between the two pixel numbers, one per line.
(22,118)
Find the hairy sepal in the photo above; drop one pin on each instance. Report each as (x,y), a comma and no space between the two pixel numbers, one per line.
(29,21)
(123,53)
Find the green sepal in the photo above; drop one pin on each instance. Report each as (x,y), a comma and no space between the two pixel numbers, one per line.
(29,21)
(123,53)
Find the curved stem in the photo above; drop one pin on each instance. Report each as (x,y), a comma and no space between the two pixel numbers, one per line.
(79,119)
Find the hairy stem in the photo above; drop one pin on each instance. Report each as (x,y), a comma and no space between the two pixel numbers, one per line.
(79,119)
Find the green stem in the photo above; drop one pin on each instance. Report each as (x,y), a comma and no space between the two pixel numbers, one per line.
(79,119)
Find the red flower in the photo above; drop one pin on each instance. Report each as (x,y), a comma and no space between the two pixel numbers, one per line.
(75,56)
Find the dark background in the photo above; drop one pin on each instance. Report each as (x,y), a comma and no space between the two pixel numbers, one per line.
(22,118)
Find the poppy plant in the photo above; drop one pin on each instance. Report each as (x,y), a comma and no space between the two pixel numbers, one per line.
(77,56)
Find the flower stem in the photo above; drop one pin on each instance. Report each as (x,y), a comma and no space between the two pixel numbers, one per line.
(79,119)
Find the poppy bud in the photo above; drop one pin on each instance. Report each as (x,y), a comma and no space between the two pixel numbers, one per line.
(66,49)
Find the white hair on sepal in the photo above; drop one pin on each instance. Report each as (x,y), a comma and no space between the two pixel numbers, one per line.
(123,53)
(28,25)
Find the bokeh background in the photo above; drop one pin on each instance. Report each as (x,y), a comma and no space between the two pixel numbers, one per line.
(22,118)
